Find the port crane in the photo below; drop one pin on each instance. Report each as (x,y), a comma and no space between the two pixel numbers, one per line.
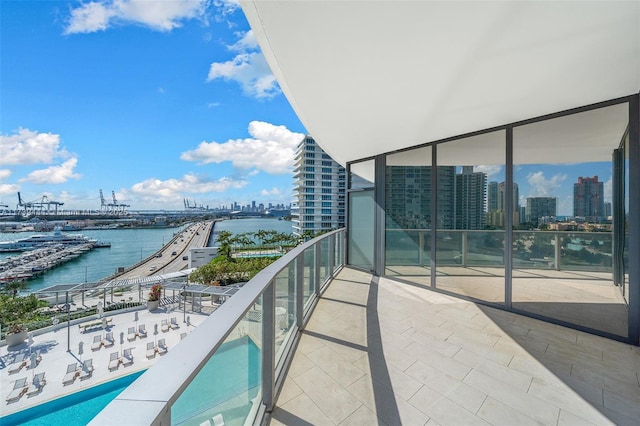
(112,207)
(37,206)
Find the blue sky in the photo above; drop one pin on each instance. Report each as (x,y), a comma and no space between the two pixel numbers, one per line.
(155,100)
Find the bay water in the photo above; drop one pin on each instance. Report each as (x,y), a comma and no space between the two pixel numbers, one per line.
(128,246)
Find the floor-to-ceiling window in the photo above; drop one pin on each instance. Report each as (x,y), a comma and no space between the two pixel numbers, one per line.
(471,209)
(554,190)
(408,215)
(562,250)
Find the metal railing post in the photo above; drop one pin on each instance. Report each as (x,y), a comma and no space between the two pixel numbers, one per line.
(300,290)
(557,251)
(317,249)
(332,254)
(268,346)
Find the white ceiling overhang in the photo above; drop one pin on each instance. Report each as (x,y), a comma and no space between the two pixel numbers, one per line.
(367,77)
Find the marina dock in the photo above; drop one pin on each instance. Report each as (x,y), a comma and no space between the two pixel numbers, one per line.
(35,262)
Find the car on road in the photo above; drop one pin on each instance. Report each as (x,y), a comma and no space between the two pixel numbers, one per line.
(185,257)
(173,253)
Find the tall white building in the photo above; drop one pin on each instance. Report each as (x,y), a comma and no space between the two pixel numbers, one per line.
(319,194)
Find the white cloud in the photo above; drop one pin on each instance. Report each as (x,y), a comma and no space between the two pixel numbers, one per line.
(7,188)
(250,70)
(213,104)
(30,147)
(608,189)
(270,149)
(54,174)
(543,187)
(246,42)
(490,170)
(274,192)
(172,189)
(159,15)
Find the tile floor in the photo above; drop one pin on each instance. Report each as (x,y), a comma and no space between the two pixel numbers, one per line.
(376,351)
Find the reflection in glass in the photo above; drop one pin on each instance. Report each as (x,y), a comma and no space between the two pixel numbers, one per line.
(471,216)
(562,251)
(408,214)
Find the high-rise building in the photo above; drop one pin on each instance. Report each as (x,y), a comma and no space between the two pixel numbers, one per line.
(319,193)
(538,207)
(588,198)
(470,199)
(496,204)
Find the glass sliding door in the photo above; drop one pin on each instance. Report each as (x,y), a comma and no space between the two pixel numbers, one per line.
(408,215)
(563,247)
(471,211)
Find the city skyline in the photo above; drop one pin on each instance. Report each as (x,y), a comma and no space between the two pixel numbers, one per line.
(157,101)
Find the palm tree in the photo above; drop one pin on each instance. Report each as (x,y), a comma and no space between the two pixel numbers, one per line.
(13,287)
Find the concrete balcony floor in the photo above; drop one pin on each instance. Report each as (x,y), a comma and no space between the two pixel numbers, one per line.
(376,351)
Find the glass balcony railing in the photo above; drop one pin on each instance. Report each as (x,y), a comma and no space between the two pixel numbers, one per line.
(558,250)
(230,367)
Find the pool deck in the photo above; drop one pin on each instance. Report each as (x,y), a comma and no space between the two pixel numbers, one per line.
(52,347)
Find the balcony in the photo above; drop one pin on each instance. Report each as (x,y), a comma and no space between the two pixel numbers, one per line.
(323,344)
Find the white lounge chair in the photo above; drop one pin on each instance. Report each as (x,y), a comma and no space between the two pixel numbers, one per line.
(142,331)
(20,387)
(87,369)
(97,343)
(162,347)
(72,373)
(38,383)
(151,350)
(174,323)
(216,420)
(114,361)
(108,340)
(131,334)
(164,325)
(127,357)
(18,362)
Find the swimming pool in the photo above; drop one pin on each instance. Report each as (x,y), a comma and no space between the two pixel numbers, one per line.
(75,409)
(231,378)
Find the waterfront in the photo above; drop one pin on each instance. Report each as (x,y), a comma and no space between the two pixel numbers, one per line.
(129,246)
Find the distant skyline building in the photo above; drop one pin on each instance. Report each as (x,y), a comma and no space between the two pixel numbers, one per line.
(538,207)
(588,198)
(496,204)
(319,190)
(470,191)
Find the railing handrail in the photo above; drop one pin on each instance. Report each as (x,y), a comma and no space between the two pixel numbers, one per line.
(148,400)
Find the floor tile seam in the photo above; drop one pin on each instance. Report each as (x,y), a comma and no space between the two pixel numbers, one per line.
(479,367)
(291,401)
(623,397)
(608,381)
(444,397)
(509,388)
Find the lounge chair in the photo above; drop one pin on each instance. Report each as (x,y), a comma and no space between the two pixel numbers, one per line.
(174,323)
(18,362)
(164,325)
(131,334)
(162,347)
(216,420)
(38,383)
(127,357)
(142,331)
(72,373)
(151,350)
(87,369)
(114,361)
(97,343)
(20,387)
(108,340)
